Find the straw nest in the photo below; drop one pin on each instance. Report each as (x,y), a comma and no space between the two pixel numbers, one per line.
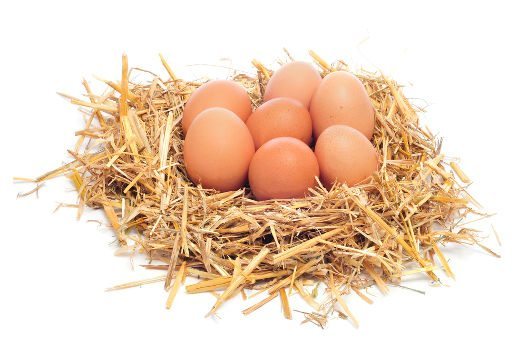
(128,162)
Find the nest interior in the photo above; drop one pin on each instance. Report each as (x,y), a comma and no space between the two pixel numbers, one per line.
(128,161)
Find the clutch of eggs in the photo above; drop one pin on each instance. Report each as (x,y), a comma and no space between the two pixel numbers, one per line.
(307,127)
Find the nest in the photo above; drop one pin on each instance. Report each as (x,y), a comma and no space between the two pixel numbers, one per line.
(128,162)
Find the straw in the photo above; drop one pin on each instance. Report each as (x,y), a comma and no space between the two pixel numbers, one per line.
(378,232)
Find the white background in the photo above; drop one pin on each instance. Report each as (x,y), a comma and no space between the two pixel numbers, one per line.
(466,60)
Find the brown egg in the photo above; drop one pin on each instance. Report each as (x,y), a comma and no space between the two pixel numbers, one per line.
(345,155)
(278,117)
(217,93)
(218,149)
(284,167)
(342,99)
(297,80)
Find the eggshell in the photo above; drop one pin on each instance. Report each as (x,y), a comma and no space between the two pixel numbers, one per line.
(217,93)
(342,99)
(297,80)
(345,155)
(284,167)
(218,149)
(278,117)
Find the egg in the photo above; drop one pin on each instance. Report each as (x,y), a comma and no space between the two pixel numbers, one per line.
(345,155)
(218,149)
(284,167)
(342,99)
(217,93)
(297,80)
(278,117)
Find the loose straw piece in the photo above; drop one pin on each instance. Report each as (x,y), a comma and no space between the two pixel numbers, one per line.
(177,284)
(216,283)
(496,235)
(184,222)
(342,303)
(286,309)
(322,63)
(277,258)
(173,260)
(306,296)
(136,283)
(168,69)
(239,279)
(362,295)
(417,270)
(261,68)
(123,111)
(100,118)
(117,88)
(460,173)
(114,221)
(286,281)
(438,170)
(95,106)
(210,285)
(443,261)
(378,280)
(259,304)
(293,276)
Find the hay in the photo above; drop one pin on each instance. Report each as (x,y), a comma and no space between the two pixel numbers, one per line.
(128,161)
